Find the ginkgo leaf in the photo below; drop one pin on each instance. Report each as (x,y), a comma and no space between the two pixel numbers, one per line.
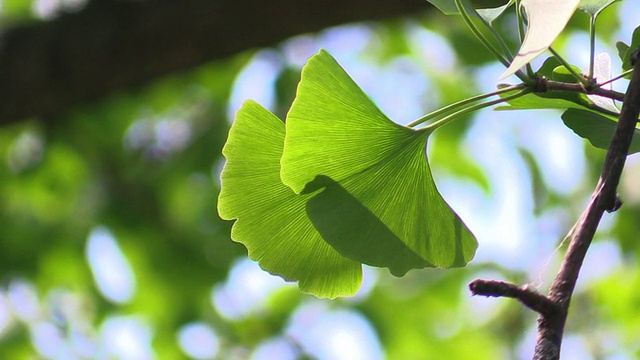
(448,7)
(622,48)
(378,203)
(594,7)
(598,129)
(546,20)
(491,14)
(550,99)
(635,43)
(271,219)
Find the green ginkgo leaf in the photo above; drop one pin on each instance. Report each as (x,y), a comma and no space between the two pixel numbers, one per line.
(598,129)
(594,7)
(635,43)
(546,20)
(271,219)
(448,7)
(378,203)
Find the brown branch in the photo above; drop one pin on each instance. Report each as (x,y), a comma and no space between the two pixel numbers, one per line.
(551,85)
(553,309)
(551,328)
(530,298)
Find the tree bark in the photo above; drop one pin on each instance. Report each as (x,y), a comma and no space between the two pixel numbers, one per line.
(111,45)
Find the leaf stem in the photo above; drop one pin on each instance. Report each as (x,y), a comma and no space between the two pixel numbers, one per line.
(592,46)
(521,33)
(520,20)
(447,119)
(615,78)
(568,66)
(474,29)
(451,107)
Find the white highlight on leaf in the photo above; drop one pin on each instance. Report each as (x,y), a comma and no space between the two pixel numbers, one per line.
(547,19)
(602,73)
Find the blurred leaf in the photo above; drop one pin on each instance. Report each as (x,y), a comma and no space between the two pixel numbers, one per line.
(447,7)
(562,74)
(539,189)
(379,204)
(271,218)
(17,9)
(548,66)
(546,20)
(598,129)
(622,50)
(635,43)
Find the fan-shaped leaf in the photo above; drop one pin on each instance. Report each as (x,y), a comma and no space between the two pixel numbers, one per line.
(598,129)
(271,219)
(378,203)
(547,19)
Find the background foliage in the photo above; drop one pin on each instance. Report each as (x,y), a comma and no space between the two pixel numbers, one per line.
(112,247)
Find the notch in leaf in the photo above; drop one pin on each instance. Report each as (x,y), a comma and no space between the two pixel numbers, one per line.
(271,219)
(377,201)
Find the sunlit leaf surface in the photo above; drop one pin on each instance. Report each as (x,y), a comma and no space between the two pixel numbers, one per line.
(378,203)
(271,219)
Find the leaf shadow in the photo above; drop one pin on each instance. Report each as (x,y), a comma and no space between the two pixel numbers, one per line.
(356,232)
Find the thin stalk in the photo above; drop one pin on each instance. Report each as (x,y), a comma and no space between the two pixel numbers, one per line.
(564,62)
(521,33)
(467,19)
(592,46)
(496,35)
(615,78)
(520,20)
(451,107)
(447,119)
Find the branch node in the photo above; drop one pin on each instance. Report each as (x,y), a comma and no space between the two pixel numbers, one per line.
(541,85)
(617,203)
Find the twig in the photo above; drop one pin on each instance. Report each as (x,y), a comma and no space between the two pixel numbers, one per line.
(604,198)
(551,85)
(553,309)
(529,298)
